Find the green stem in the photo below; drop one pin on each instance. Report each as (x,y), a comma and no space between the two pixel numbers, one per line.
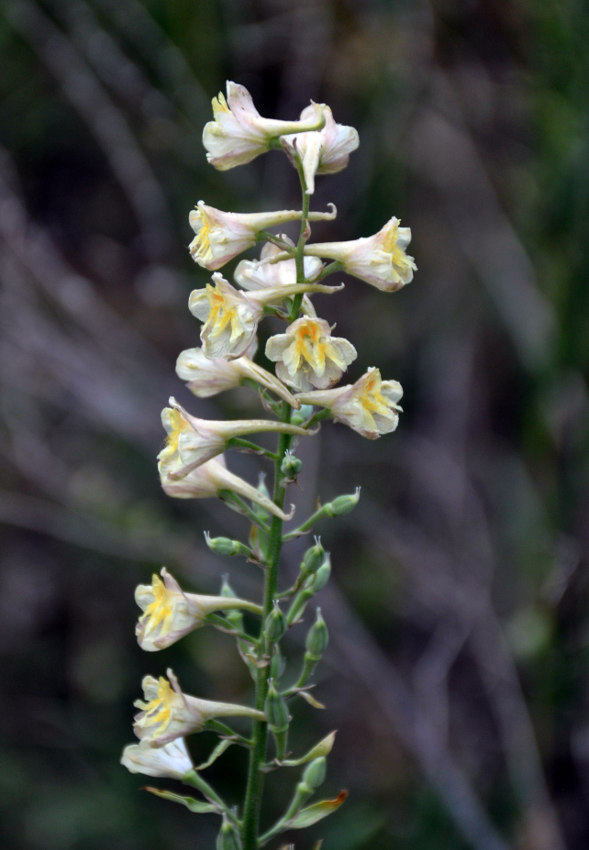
(253,795)
(255,778)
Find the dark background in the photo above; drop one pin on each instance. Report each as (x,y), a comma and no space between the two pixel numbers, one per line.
(457,669)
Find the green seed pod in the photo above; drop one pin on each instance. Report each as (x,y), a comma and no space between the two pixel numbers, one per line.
(317,638)
(290,465)
(234,615)
(226,546)
(314,774)
(342,504)
(275,625)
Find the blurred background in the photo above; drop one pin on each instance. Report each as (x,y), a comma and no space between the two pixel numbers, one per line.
(457,669)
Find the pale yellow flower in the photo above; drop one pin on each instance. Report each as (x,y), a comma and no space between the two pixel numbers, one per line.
(221,236)
(210,480)
(238,132)
(207,376)
(307,356)
(379,260)
(166,713)
(171,761)
(370,406)
(231,316)
(169,613)
(191,441)
(324,151)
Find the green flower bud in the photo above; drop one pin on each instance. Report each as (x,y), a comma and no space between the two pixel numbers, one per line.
(276,710)
(322,574)
(226,546)
(277,664)
(342,504)
(317,638)
(300,416)
(313,558)
(314,774)
(275,625)
(233,616)
(227,838)
(290,465)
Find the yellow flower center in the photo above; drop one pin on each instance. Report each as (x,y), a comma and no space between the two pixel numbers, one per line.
(370,396)
(202,240)
(221,314)
(310,345)
(158,711)
(179,424)
(159,612)
(391,246)
(220,104)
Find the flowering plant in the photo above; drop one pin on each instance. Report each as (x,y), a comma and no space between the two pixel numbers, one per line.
(309,361)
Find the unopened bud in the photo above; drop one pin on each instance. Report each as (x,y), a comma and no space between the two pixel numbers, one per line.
(342,504)
(314,774)
(227,838)
(233,616)
(226,546)
(300,416)
(275,624)
(277,664)
(290,465)
(317,638)
(313,558)
(276,710)
(322,574)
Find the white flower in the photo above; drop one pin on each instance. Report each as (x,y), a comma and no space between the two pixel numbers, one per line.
(324,151)
(169,613)
(238,132)
(212,479)
(220,236)
(192,441)
(370,406)
(207,377)
(166,713)
(268,272)
(379,260)
(308,356)
(171,761)
(231,316)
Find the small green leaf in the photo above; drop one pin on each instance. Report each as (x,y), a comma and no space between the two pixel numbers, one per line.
(311,700)
(323,748)
(191,804)
(218,751)
(316,812)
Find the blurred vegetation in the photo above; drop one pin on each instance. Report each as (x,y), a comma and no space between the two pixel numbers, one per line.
(457,674)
